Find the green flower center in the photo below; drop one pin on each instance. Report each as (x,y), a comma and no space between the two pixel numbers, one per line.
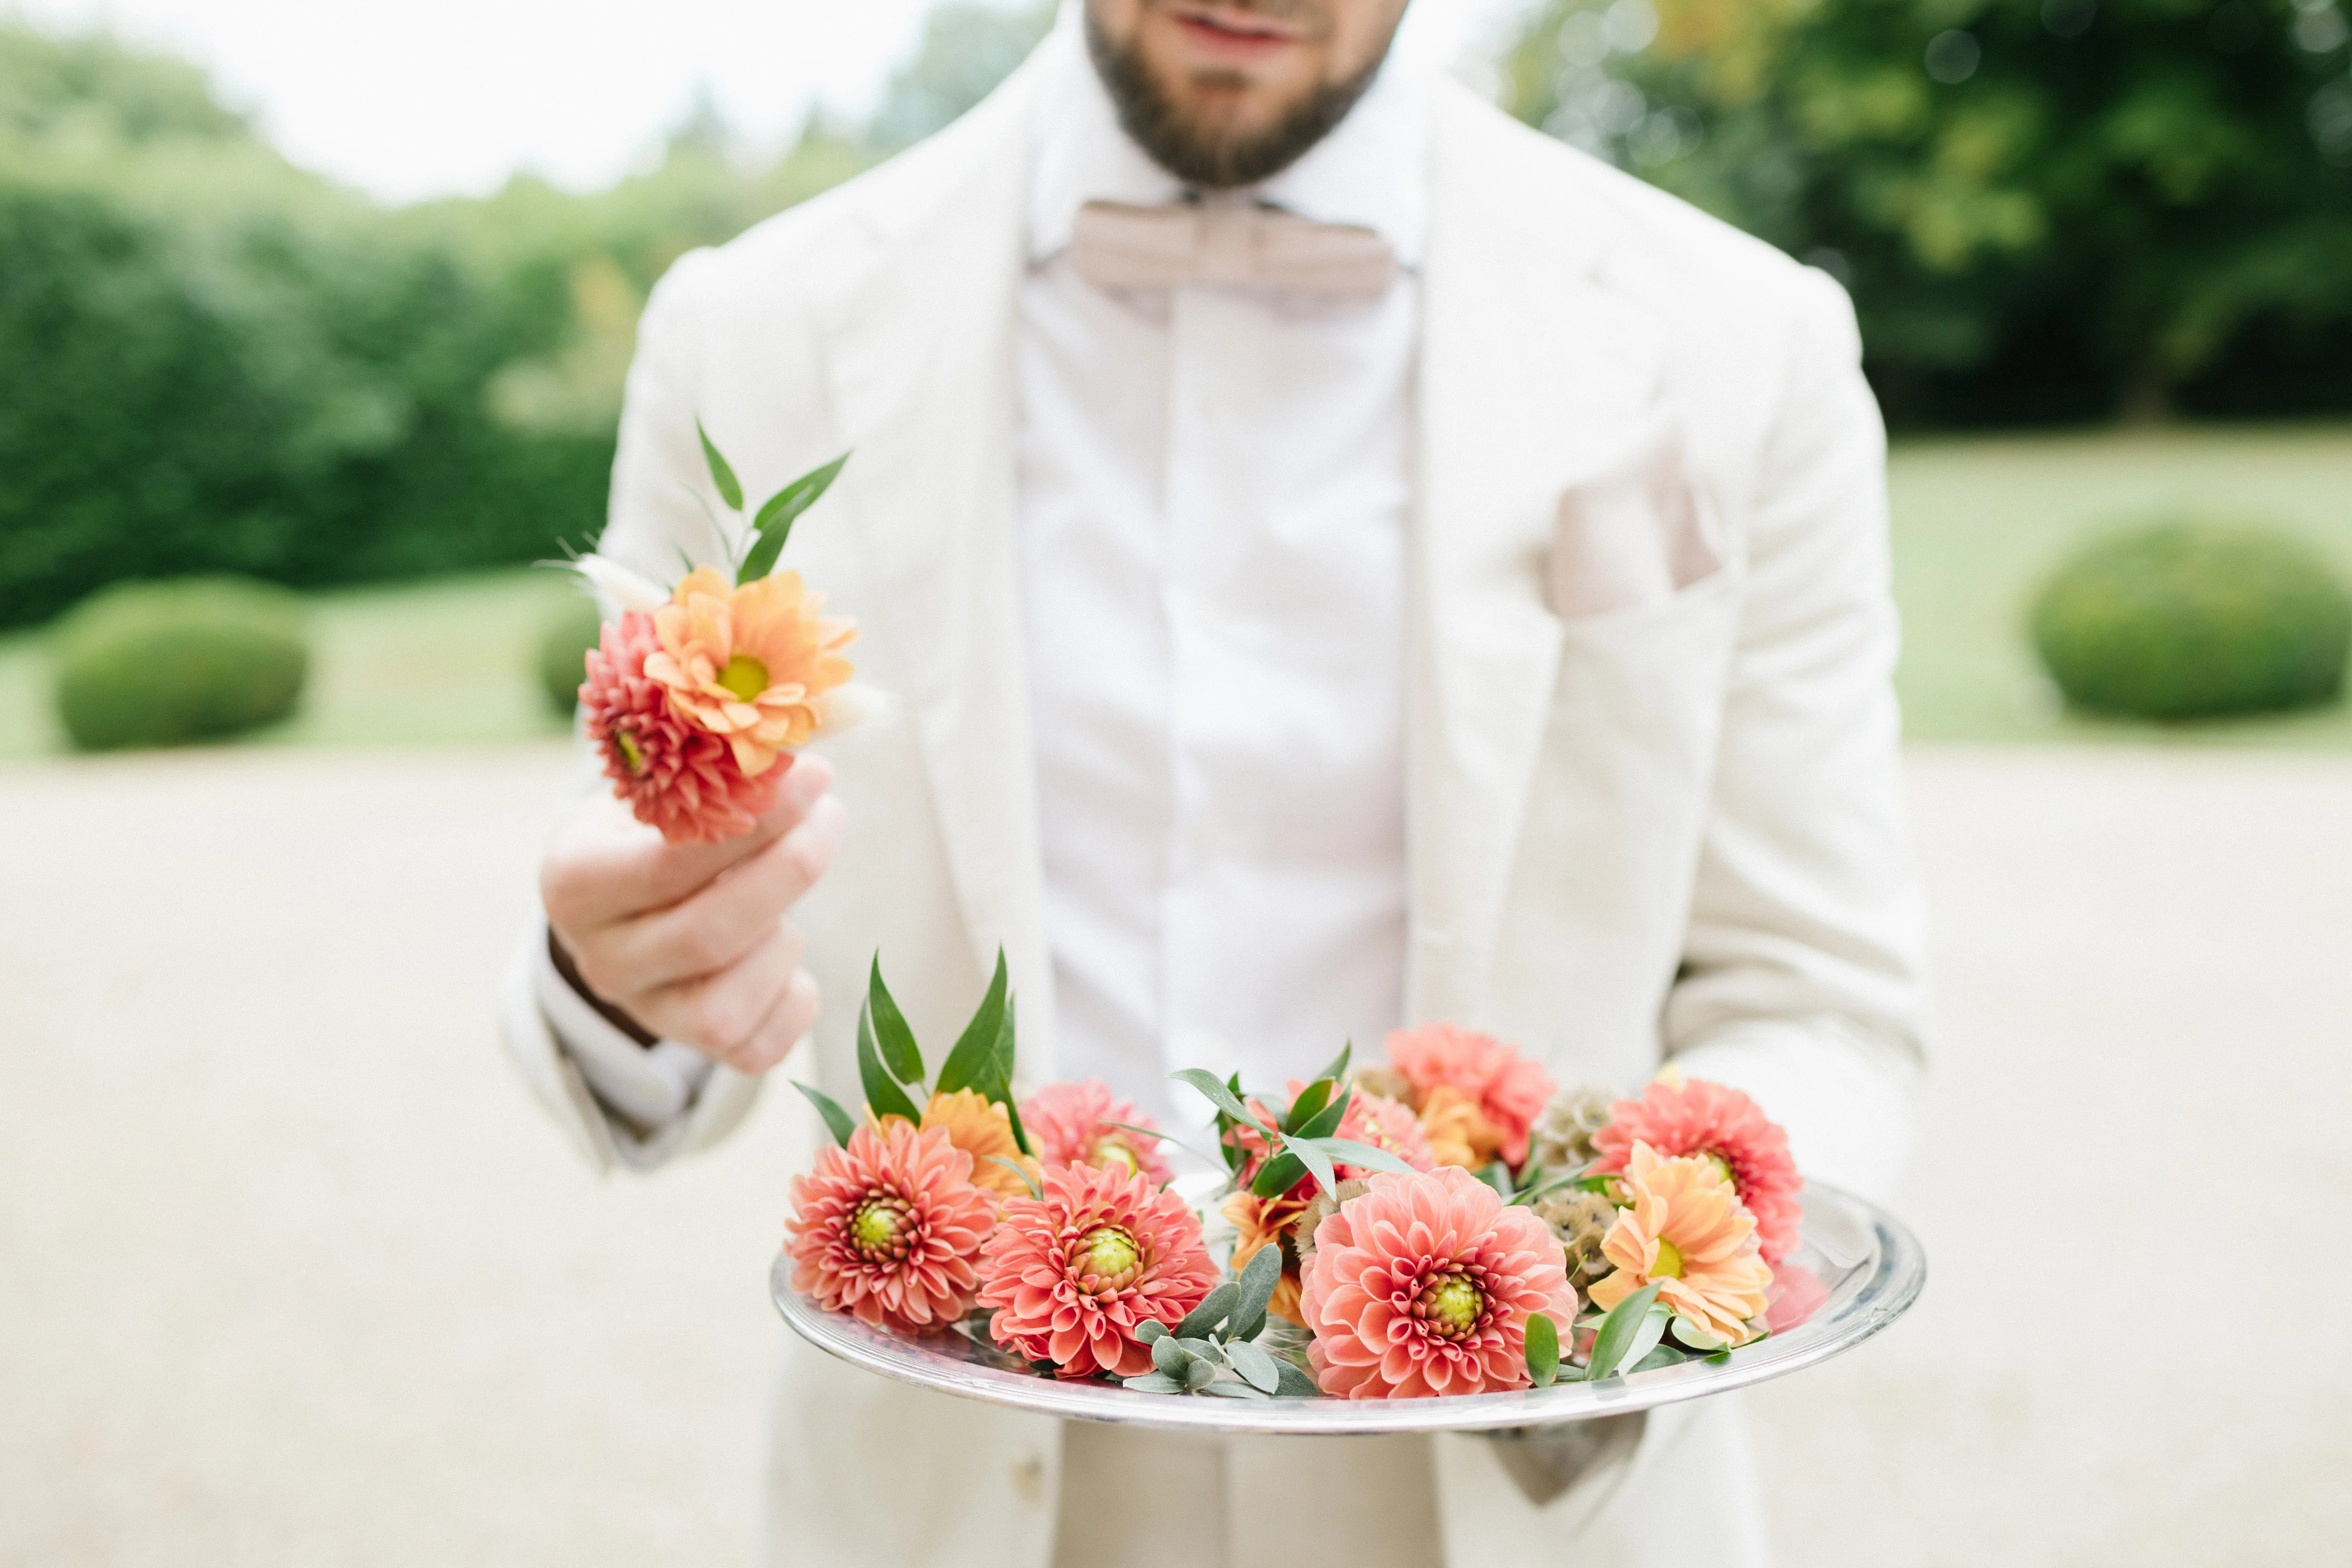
(1108,1252)
(1721,1164)
(744,676)
(1669,1265)
(631,754)
(878,1227)
(1111,1153)
(1452,1305)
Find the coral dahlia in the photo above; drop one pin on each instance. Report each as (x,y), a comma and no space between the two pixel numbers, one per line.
(1694,1117)
(1508,1090)
(1423,1286)
(751,662)
(889,1228)
(1686,1232)
(1075,1274)
(1070,1124)
(675,775)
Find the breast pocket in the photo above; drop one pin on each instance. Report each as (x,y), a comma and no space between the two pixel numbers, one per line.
(1638,534)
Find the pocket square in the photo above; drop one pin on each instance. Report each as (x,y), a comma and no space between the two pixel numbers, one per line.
(1637,533)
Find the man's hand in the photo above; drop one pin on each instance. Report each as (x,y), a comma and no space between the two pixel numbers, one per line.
(690,940)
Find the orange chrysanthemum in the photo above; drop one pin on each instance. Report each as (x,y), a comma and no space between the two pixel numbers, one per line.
(1072,1124)
(1508,1090)
(889,1228)
(675,775)
(1424,1285)
(1075,1274)
(1686,1231)
(1677,1116)
(750,664)
(1262,1222)
(979,1126)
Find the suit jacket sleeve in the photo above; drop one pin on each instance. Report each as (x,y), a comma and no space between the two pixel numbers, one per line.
(1801,973)
(575,1065)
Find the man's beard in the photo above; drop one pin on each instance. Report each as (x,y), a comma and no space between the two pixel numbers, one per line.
(1207,156)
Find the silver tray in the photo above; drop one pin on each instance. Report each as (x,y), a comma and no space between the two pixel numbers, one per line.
(1871,1265)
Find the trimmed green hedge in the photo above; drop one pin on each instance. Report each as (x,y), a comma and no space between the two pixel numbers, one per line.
(163,663)
(2188,620)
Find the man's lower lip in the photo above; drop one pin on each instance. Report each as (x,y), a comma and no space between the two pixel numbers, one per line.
(1208,32)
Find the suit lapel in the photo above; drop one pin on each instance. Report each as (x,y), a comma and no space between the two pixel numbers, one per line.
(1534,376)
(918,356)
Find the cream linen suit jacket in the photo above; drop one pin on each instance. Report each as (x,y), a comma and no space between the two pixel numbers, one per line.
(1665,821)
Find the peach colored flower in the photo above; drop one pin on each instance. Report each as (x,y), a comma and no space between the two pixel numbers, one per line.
(979,1126)
(1075,1274)
(675,775)
(1677,1116)
(1796,1295)
(1458,1133)
(750,664)
(1262,1222)
(1510,1090)
(1070,1124)
(1686,1230)
(1423,1286)
(889,1228)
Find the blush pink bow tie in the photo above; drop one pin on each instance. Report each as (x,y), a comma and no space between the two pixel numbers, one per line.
(1231,243)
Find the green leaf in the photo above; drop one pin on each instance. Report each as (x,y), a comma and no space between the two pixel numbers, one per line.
(1020,1132)
(1026,1179)
(973,1063)
(1311,1100)
(1255,1288)
(1213,1311)
(1652,1329)
(1156,1136)
(1154,1383)
(721,476)
(1617,1330)
(1198,1374)
(883,1095)
(1318,1163)
(1659,1355)
(891,1034)
(840,1121)
(773,526)
(1338,1070)
(1150,1331)
(1223,1098)
(1497,1175)
(1543,1350)
(1168,1356)
(1256,1367)
(1233,1391)
(1296,1384)
(1349,1152)
(1691,1338)
(1278,1176)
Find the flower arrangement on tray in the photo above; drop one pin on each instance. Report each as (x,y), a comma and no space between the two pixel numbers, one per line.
(697,695)
(1446,1222)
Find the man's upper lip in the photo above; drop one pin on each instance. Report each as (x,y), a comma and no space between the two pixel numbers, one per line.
(1248,24)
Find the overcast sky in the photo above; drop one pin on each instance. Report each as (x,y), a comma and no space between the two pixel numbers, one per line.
(435,96)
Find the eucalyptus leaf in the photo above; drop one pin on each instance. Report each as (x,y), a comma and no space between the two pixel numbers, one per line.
(896,1041)
(840,1123)
(1616,1332)
(1296,1384)
(1646,1335)
(774,523)
(1255,1284)
(1198,1374)
(1213,1311)
(729,490)
(1692,1339)
(1309,1102)
(972,1063)
(1150,1331)
(1349,1152)
(1221,1097)
(1233,1391)
(1154,1383)
(1168,1356)
(1026,1179)
(883,1095)
(1543,1350)
(1660,1355)
(1255,1366)
(1317,1162)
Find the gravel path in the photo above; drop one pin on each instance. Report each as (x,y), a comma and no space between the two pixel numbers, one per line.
(291,1273)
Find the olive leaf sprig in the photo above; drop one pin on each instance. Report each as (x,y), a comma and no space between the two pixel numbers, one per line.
(890,1064)
(1214,1350)
(771,524)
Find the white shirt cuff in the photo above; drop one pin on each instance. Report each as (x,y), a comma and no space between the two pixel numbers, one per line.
(1845,1099)
(647,1086)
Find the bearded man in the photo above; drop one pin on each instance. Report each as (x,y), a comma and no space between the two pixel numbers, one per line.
(1345,559)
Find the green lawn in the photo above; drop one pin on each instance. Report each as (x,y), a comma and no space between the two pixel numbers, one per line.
(1977,523)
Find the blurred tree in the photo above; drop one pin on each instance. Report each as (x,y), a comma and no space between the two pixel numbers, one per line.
(966,50)
(2046,209)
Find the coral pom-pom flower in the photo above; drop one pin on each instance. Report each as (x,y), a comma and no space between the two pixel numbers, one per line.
(1692,1117)
(1509,1091)
(675,775)
(1075,1274)
(752,663)
(1071,1123)
(1687,1232)
(889,1228)
(1423,1286)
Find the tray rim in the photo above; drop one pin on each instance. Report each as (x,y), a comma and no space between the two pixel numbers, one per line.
(1897,1276)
